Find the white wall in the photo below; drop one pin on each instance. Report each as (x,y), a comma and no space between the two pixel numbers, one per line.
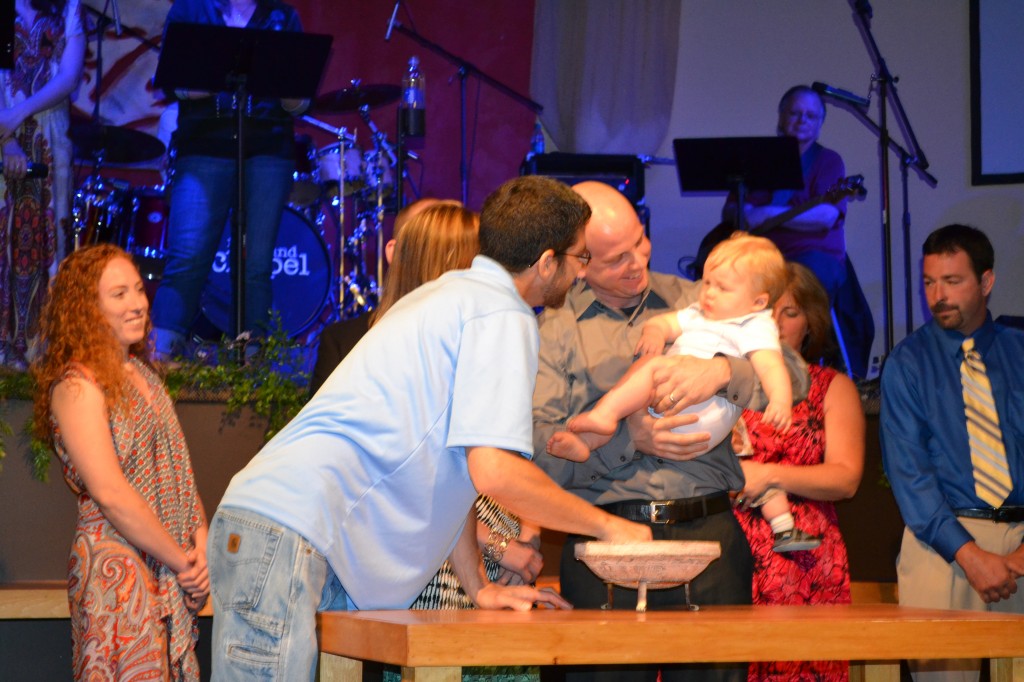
(736,59)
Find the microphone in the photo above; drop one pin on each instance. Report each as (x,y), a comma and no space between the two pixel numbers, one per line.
(391,22)
(863,8)
(33,170)
(378,137)
(117,17)
(840,95)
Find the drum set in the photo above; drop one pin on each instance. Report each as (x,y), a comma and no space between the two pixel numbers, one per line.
(323,269)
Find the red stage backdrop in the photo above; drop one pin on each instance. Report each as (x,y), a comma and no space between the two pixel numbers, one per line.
(496,38)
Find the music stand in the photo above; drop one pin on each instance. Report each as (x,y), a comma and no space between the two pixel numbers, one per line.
(277,64)
(710,164)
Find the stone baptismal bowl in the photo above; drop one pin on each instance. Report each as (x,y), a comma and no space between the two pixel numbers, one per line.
(658,564)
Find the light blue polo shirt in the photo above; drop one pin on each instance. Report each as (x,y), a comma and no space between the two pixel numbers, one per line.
(373,470)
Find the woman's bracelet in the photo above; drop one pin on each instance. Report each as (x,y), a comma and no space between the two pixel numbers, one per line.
(494,549)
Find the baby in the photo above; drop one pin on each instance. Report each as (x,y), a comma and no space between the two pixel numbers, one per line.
(743,277)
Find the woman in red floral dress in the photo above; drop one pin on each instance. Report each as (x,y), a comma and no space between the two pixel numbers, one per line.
(819,460)
(137,574)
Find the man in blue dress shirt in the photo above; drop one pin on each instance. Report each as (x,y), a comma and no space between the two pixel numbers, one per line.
(962,545)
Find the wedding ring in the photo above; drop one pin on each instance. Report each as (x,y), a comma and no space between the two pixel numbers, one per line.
(672,397)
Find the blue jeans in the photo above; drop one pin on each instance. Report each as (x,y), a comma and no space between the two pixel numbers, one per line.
(829,270)
(268,583)
(202,195)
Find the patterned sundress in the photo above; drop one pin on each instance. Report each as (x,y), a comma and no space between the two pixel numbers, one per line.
(128,614)
(818,576)
(31,210)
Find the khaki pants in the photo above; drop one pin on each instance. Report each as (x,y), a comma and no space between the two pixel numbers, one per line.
(927,580)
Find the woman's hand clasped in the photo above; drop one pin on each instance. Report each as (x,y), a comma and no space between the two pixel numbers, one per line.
(195,580)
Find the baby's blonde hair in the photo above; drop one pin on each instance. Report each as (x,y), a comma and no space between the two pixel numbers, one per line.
(755,256)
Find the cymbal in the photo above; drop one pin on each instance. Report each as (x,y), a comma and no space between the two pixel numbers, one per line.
(350,99)
(118,145)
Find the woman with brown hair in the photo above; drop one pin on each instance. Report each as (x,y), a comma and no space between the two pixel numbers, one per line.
(137,572)
(819,460)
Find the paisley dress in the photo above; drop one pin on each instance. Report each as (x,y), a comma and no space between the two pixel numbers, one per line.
(32,210)
(818,576)
(128,615)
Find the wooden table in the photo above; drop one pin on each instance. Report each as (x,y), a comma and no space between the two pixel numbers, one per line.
(433,645)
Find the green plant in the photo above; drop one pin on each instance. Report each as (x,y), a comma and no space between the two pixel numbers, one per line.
(17,386)
(265,375)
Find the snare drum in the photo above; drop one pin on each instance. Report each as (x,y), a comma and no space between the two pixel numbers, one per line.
(305,188)
(327,163)
(101,212)
(146,239)
(300,278)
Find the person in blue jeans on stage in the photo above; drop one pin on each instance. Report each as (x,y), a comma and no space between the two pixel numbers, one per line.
(357,502)
(205,180)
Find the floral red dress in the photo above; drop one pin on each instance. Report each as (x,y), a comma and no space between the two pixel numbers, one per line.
(128,615)
(818,576)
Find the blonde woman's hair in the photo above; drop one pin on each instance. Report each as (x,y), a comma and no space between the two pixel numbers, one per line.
(442,237)
(756,256)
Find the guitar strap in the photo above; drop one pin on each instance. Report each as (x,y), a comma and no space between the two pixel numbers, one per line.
(782,197)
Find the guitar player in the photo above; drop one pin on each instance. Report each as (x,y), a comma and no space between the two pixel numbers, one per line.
(814,236)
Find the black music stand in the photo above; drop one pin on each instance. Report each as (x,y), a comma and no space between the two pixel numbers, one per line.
(278,64)
(711,164)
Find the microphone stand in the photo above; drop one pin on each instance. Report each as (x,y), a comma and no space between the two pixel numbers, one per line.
(886,88)
(103,22)
(465,69)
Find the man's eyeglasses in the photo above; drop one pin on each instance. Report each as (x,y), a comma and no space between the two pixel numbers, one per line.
(584,257)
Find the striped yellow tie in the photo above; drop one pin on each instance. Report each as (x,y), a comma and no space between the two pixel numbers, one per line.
(991,473)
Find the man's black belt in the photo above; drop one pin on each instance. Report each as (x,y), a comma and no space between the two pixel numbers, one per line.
(670,511)
(1001,515)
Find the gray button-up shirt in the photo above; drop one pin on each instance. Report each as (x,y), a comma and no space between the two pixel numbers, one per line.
(585,347)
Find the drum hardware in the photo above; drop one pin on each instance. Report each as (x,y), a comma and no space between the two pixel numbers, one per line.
(98,144)
(344,171)
(100,212)
(377,165)
(343,138)
(360,292)
(351,99)
(305,184)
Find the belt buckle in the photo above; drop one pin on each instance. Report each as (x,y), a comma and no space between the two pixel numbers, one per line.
(652,511)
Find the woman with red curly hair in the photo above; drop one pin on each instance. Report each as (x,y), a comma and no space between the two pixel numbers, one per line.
(137,572)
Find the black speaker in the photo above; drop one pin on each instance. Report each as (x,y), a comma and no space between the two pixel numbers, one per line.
(622,171)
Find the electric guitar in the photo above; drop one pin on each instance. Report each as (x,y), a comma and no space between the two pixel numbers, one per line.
(851,186)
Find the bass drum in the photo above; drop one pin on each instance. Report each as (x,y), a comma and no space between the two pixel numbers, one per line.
(300,279)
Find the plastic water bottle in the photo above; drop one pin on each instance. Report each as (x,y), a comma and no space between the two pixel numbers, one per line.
(537,140)
(412,113)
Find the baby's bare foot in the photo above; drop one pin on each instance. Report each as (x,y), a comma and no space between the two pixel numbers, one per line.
(568,446)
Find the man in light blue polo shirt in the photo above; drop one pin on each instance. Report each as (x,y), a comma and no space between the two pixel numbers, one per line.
(357,502)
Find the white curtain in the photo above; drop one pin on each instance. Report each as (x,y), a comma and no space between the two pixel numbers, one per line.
(605,72)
